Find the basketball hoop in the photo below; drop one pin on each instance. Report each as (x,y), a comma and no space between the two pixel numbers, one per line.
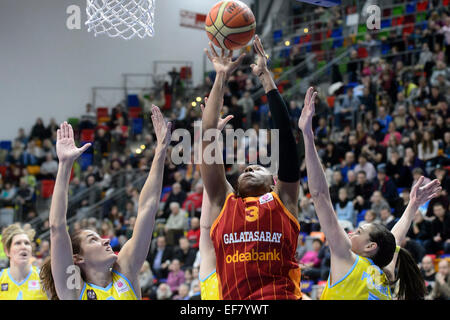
(121,18)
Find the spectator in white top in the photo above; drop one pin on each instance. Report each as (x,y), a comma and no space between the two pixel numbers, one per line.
(176,224)
(428,148)
(366,166)
(49,167)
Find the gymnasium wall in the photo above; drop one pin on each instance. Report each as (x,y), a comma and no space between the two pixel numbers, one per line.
(48,71)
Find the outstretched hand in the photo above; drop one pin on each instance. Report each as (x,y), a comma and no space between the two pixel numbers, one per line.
(261,60)
(419,194)
(222,121)
(66,149)
(224,63)
(162,129)
(305,121)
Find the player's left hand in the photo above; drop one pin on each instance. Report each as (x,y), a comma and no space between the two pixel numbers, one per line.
(224,62)
(162,129)
(305,121)
(419,194)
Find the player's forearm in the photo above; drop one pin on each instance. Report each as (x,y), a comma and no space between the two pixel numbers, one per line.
(267,81)
(151,192)
(211,114)
(401,228)
(289,167)
(58,208)
(317,182)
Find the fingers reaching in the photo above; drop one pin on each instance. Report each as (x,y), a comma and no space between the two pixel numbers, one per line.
(213,51)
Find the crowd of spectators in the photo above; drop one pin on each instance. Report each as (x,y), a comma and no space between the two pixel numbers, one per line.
(387,125)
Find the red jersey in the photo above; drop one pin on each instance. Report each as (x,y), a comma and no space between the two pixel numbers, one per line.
(255,240)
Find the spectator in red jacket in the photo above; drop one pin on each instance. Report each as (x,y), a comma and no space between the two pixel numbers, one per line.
(193,201)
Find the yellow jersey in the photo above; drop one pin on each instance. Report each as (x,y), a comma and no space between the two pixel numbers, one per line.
(210,287)
(364,281)
(28,289)
(119,289)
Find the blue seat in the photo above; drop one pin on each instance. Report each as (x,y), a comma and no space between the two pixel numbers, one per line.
(6,145)
(336,33)
(86,160)
(337,44)
(386,23)
(385,48)
(400,190)
(133,100)
(360,217)
(297,40)
(277,35)
(138,125)
(411,7)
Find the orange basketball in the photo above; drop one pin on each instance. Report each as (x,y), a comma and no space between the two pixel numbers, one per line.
(230,24)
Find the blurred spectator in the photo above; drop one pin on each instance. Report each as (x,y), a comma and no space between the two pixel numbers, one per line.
(176,224)
(386,186)
(344,207)
(367,167)
(49,168)
(193,235)
(441,289)
(184,253)
(428,272)
(89,119)
(369,217)
(38,130)
(378,203)
(440,230)
(160,257)
(387,219)
(176,276)
(145,278)
(193,201)
(183,292)
(176,195)
(163,292)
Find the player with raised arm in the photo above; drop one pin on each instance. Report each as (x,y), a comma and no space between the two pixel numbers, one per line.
(255,228)
(365,263)
(104,275)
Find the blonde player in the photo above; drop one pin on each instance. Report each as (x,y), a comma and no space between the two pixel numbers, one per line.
(21,280)
(104,275)
(366,263)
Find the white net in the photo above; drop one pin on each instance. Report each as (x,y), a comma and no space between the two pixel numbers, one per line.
(121,18)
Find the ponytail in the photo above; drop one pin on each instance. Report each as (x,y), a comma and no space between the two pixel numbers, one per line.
(412,285)
(47,279)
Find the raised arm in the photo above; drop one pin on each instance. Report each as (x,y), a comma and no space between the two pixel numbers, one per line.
(418,196)
(287,186)
(206,247)
(61,246)
(213,173)
(340,245)
(135,250)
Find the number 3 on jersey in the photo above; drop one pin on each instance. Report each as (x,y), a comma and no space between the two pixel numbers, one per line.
(251,213)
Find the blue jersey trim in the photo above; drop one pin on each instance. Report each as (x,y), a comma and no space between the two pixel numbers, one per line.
(107,288)
(128,281)
(206,278)
(344,277)
(1,272)
(25,280)
(82,291)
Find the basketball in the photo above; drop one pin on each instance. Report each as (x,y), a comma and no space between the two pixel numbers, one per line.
(230,24)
